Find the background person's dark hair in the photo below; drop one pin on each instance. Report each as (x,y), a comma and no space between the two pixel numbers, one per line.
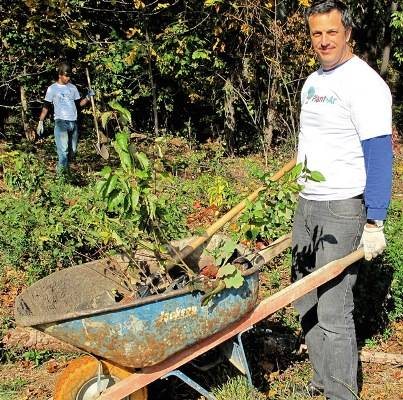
(64,69)
(325,6)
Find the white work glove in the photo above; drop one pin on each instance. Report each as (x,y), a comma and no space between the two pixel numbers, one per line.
(373,240)
(39,129)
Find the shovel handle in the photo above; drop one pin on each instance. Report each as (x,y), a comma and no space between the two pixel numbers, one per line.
(93,107)
(210,231)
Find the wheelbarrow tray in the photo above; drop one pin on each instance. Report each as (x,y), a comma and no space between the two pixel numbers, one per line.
(139,333)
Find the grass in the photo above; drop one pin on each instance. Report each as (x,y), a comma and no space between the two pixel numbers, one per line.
(292,384)
(238,388)
(11,388)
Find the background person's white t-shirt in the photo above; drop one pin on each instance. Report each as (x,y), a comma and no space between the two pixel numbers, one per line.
(339,109)
(63,97)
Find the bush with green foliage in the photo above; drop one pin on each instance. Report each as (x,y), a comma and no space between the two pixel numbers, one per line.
(270,216)
(379,289)
(394,257)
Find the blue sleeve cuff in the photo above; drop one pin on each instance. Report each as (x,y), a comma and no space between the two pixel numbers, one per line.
(376,213)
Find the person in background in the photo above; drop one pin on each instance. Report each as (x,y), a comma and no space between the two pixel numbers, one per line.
(345,133)
(65,98)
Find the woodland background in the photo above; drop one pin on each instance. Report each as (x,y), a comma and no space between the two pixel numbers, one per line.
(195,69)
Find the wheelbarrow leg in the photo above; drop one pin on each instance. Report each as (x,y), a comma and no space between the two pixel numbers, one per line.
(235,353)
(183,377)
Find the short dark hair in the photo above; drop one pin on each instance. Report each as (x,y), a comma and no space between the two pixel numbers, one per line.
(64,69)
(325,6)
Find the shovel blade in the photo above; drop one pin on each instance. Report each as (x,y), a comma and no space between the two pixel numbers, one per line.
(103,139)
(102,150)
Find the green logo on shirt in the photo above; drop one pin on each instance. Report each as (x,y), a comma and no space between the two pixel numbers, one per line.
(315,98)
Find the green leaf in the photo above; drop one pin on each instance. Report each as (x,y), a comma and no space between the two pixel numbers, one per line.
(105,172)
(115,200)
(143,160)
(316,176)
(235,280)
(296,171)
(225,270)
(200,54)
(210,3)
(121,145)
(135,197)
(119,241)
(100,186)
(111,184)
(228,248)
(124,184)
(105,117)
(122,141)
(124,113)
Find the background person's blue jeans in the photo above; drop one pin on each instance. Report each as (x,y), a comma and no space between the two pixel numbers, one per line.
(324,231)
(66,138)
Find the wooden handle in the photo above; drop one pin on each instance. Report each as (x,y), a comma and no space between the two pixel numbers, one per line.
(210,231)
(93,107)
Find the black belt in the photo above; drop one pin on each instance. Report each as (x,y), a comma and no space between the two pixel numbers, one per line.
(359,196)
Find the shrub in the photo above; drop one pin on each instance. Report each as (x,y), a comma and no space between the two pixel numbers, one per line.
(394,256)
(379,289)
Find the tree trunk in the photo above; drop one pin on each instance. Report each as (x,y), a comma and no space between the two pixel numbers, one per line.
(24,110)
(229,112)
(153,88)
(388,44)
(29,132)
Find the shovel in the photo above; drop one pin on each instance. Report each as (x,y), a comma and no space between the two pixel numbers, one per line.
(210,231)
(100,145)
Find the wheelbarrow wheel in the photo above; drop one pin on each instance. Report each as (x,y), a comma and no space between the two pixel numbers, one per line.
(79,380)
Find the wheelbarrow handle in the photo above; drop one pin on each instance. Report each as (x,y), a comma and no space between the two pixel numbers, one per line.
(210,231)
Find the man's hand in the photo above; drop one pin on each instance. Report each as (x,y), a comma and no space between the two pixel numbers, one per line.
(90,94)
(373,240)
(39,129)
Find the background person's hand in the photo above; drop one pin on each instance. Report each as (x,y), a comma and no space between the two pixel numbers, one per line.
(90,94)
(39,129)
(373,240)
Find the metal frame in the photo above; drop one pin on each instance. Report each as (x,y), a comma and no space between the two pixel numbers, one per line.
(190,382)
(234,352)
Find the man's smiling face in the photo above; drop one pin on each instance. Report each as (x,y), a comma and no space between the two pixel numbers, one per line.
(329,38)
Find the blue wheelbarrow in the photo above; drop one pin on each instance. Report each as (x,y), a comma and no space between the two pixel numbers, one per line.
(133,344)
(77,305)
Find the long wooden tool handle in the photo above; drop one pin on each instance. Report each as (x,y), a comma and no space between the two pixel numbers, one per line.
(210,231)
(93,107)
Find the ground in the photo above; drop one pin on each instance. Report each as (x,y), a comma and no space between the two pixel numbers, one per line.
(280,371)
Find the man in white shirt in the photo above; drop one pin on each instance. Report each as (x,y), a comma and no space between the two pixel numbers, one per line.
(65,98)
(345,133)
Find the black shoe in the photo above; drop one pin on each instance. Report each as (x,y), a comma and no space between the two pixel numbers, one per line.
(313,390)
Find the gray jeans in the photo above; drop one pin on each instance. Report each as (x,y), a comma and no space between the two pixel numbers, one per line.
(324,231)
